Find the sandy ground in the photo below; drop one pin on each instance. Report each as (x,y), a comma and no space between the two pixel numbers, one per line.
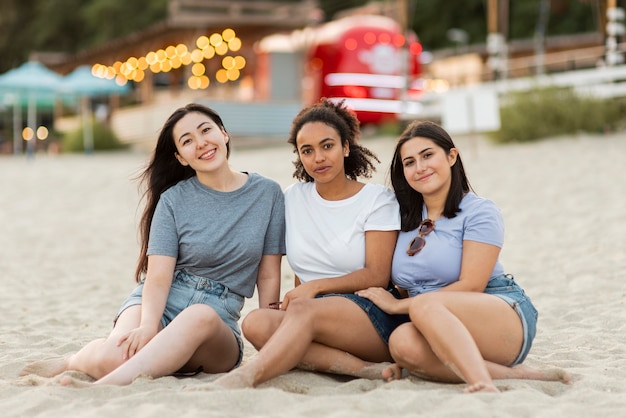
(68,245)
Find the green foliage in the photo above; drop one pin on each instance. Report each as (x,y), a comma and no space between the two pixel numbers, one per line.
(391,128)
(121,16)
(103,139)
(545,112)
(69,25)
(73,25)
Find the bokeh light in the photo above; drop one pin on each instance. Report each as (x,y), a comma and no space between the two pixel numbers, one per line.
(42,133)
(27,133)
(172,57)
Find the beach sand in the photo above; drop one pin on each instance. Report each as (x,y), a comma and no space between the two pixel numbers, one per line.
(68,246)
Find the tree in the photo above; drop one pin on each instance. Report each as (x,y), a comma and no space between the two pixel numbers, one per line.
(72,25)
(69,26)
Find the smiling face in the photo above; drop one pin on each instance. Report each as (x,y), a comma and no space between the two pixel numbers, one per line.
(427,167)
(200,142)
(321,153)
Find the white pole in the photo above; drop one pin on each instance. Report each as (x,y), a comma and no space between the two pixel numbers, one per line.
(32,124)
(17,125)
(87,125)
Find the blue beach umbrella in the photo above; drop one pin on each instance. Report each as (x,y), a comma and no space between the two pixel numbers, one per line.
(34,82)
(82,84)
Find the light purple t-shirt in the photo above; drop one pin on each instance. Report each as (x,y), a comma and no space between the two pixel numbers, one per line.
(439,263)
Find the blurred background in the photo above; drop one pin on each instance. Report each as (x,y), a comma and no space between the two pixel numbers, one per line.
(102,74)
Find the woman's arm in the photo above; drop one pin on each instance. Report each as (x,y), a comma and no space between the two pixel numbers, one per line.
(156,288)
(268,279)
(153,299)
(477,263)
(379,247)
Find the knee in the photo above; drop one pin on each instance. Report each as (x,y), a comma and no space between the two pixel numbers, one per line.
(423,306)
(406,348)
(258,326)
(399,348)
(103,361)
(300,307)
(201,316)
(303,309)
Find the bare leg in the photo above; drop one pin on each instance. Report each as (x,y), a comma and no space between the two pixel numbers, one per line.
(97,358)
(521,371)
(196,337)
(47,368)
(309,320)
(322,358)
(413,350)
(452,342)
(260,324)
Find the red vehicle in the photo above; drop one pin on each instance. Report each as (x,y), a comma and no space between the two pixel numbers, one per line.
(359,59)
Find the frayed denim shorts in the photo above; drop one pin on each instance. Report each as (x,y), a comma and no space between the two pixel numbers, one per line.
(383,322)
(188,289)
(505,288)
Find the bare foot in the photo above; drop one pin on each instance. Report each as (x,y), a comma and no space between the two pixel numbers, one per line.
(236,379)
(558,375)
(391,372)
(551,375)
(374,371)
(481,387)
(47,368)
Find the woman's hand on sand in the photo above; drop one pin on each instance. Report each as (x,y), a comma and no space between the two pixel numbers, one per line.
(381,298)
(134,340)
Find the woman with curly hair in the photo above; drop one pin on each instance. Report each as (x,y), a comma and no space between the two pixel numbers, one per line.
(340,238)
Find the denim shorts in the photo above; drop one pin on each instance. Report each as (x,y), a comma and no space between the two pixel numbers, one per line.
(188,289)
(504,287)
(383,322)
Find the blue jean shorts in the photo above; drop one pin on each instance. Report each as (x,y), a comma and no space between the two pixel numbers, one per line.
(383,322)
(505,288)
(188,289)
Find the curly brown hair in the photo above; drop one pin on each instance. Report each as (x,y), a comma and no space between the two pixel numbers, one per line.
(360,160)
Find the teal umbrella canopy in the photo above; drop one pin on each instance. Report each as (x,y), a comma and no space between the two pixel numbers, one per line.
(34,83)
(30,77)
(31,82)
(81,82)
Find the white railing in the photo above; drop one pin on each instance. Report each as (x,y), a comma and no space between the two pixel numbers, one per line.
(601,82)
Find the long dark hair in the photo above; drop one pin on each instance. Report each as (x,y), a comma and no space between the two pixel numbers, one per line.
(164,171)
(359,162)
(411,202)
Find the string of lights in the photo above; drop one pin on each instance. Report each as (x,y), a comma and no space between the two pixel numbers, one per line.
(175,56)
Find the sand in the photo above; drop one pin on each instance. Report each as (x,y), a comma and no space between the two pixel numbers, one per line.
(68,244)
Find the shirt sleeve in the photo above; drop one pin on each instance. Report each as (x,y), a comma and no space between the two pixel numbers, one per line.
(163,233)
(485,224)
(275,237)
(385,214)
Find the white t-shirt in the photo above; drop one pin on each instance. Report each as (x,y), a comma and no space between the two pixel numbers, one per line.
(327,238)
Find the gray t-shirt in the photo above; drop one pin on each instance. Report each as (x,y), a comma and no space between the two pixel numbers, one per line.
(220,235)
